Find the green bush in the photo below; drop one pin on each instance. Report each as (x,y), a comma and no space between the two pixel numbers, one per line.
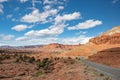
(15,55)
(4,56)
(21,57)
(31,60)
(17,60)
(45,64)
(0,62)
(38,73)
(69,58)
(101,74)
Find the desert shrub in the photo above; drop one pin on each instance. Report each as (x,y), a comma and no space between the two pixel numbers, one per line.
(25,58)
(7,57)
(38,60)
(31,59)
(77,58)
(56,58)
(45,64)
(101,74)
(4,56)
(17,60)
(65,61)
(0,62)
(107,78)
(0,58)
(69,58)
(40,65)
(20,57)
(15,55)
(38,73)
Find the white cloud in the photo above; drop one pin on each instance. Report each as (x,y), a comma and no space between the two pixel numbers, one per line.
(20,27)
(115,1)
(3,1)
(34,41)
(22,39)
(60,7)
(67,17)
(86,25)
(23,1)
(48,7)
(6,37)
(53,30)
(47,40)
(76,40)
(36,16)
(37,40)
(1,36)
(50,1)
(1,8)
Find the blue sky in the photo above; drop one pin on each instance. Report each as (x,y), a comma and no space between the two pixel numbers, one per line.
(34,22)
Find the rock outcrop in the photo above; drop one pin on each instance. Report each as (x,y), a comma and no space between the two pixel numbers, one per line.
(106,39)
(109,57)
(59,46)
(110,37)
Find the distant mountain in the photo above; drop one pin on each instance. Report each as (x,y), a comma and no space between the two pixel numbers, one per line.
(31,46)
(110,37)
(17,47)
(7,47)
(59,46)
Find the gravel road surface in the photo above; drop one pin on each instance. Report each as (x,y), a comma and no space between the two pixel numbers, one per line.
(110,71)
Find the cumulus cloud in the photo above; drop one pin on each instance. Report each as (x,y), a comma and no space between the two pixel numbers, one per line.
(67,17)
(76,40)
(50,2)
(1,8)
(22,39)
(20,27)
(86,25)
(46,40)
(48,7)
(6,37)
(53,30)
(36,16)
(23,1)
(60,7)
(35,41)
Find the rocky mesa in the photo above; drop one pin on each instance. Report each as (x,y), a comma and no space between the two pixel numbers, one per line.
(110,37)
